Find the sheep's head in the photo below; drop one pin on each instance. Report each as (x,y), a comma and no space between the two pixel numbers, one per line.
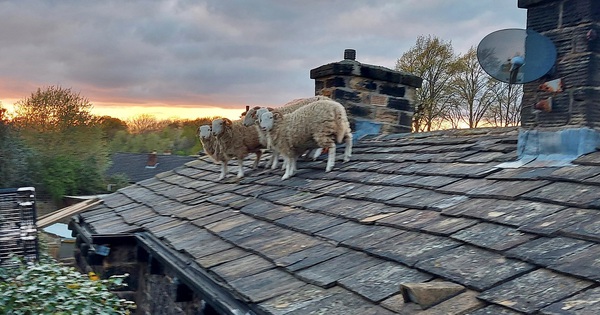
(219,124)
(204,132)
(258,113)
(250,117)
(268,118)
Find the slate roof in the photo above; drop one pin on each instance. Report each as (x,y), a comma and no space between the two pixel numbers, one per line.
(406,208)
(133,165)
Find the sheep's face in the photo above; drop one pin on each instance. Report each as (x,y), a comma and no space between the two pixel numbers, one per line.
(249,118)
(204,132)
(258,113)
(217,126)
(266,121)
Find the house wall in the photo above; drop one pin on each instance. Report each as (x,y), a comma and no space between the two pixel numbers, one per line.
(573,26)
(154,287)
(377,99)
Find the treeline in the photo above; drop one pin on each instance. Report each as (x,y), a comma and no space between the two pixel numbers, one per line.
(456,91)
(54,143)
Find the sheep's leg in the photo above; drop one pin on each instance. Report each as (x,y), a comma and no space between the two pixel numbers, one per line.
(330,158)
(288,162)
(240,173)
(317,153)
(275,159)
(223,170)
(348,149)
(258,155)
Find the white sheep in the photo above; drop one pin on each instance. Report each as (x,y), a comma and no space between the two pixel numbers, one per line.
(252,118)
(320,124)
(234,140)
(209,143)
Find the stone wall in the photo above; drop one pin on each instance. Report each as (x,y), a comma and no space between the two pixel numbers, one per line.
(154,287)
(573,26)
(377,99)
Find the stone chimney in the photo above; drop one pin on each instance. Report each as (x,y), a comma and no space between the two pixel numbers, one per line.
(570,127)
(377,99)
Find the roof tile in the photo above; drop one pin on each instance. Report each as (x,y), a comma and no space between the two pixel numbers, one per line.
(534,290)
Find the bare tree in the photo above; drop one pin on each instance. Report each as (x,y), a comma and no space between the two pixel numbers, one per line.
(506,104)
(472,97)
(433,60)
(145,123)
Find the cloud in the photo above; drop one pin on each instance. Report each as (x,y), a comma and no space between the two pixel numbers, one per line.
(216,52)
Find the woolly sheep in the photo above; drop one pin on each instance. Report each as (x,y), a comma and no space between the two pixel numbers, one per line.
(252,117)
(211,148)
(320,124)
(234,140)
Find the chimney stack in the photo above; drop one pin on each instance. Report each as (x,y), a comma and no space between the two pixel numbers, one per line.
(377,99)
(569,127)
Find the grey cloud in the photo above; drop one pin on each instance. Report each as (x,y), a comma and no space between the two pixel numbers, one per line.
(220,51)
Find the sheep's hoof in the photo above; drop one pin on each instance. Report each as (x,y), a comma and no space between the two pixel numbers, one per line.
(240,175)
(285,176)
(221,177)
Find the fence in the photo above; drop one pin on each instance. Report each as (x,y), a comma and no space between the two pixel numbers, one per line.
(18,231)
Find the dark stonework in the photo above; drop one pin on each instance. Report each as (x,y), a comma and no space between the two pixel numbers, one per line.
(567,24)
(378,99)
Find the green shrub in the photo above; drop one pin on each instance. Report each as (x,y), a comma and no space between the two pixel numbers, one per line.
(46,287)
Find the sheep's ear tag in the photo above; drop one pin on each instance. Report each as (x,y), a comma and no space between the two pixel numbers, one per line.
(516,56)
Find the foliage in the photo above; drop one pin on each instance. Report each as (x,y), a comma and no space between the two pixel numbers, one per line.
(433,60)
(15,157)
(68,142)
(110,126)
(46,287)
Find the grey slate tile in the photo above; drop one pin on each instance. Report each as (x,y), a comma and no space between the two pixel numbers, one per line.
(586,302)
(553,223)
(344,231)
(411,219)
(375,235)
(242,267)
(266,210)
(492,236)
(341,302)
(381,281)
(220,256)
(266,285)
(494,310)
(309,257)
(327,273)
(535,290)
(308,222)
(418,199)
(585,263)
(411,247)
(544,251)
(296,299)
(569,194)
(473,267)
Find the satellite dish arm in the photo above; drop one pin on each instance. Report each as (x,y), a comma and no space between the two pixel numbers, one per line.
(516,63)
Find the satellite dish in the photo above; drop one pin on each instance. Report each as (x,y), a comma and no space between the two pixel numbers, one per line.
(516,55)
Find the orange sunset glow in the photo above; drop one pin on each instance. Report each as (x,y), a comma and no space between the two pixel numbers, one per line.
(160,111)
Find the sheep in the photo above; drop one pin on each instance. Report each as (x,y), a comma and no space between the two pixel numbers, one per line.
(234,140)
(211,148)
(320,124)
(252,116)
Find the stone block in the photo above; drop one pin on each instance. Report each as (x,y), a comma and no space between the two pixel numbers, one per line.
(399,103)
(378,100)
(429,293)
(387,115)
(393,90)
(362,84)
(335,82)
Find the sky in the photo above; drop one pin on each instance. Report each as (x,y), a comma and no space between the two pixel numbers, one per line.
(193,58)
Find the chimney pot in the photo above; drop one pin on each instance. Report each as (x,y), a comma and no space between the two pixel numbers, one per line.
(349,54)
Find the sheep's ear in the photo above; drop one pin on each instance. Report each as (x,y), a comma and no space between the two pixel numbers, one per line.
(277,115)
(256,107)
(226,121)
(270,109)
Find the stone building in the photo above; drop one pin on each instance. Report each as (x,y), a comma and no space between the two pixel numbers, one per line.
(478,222)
